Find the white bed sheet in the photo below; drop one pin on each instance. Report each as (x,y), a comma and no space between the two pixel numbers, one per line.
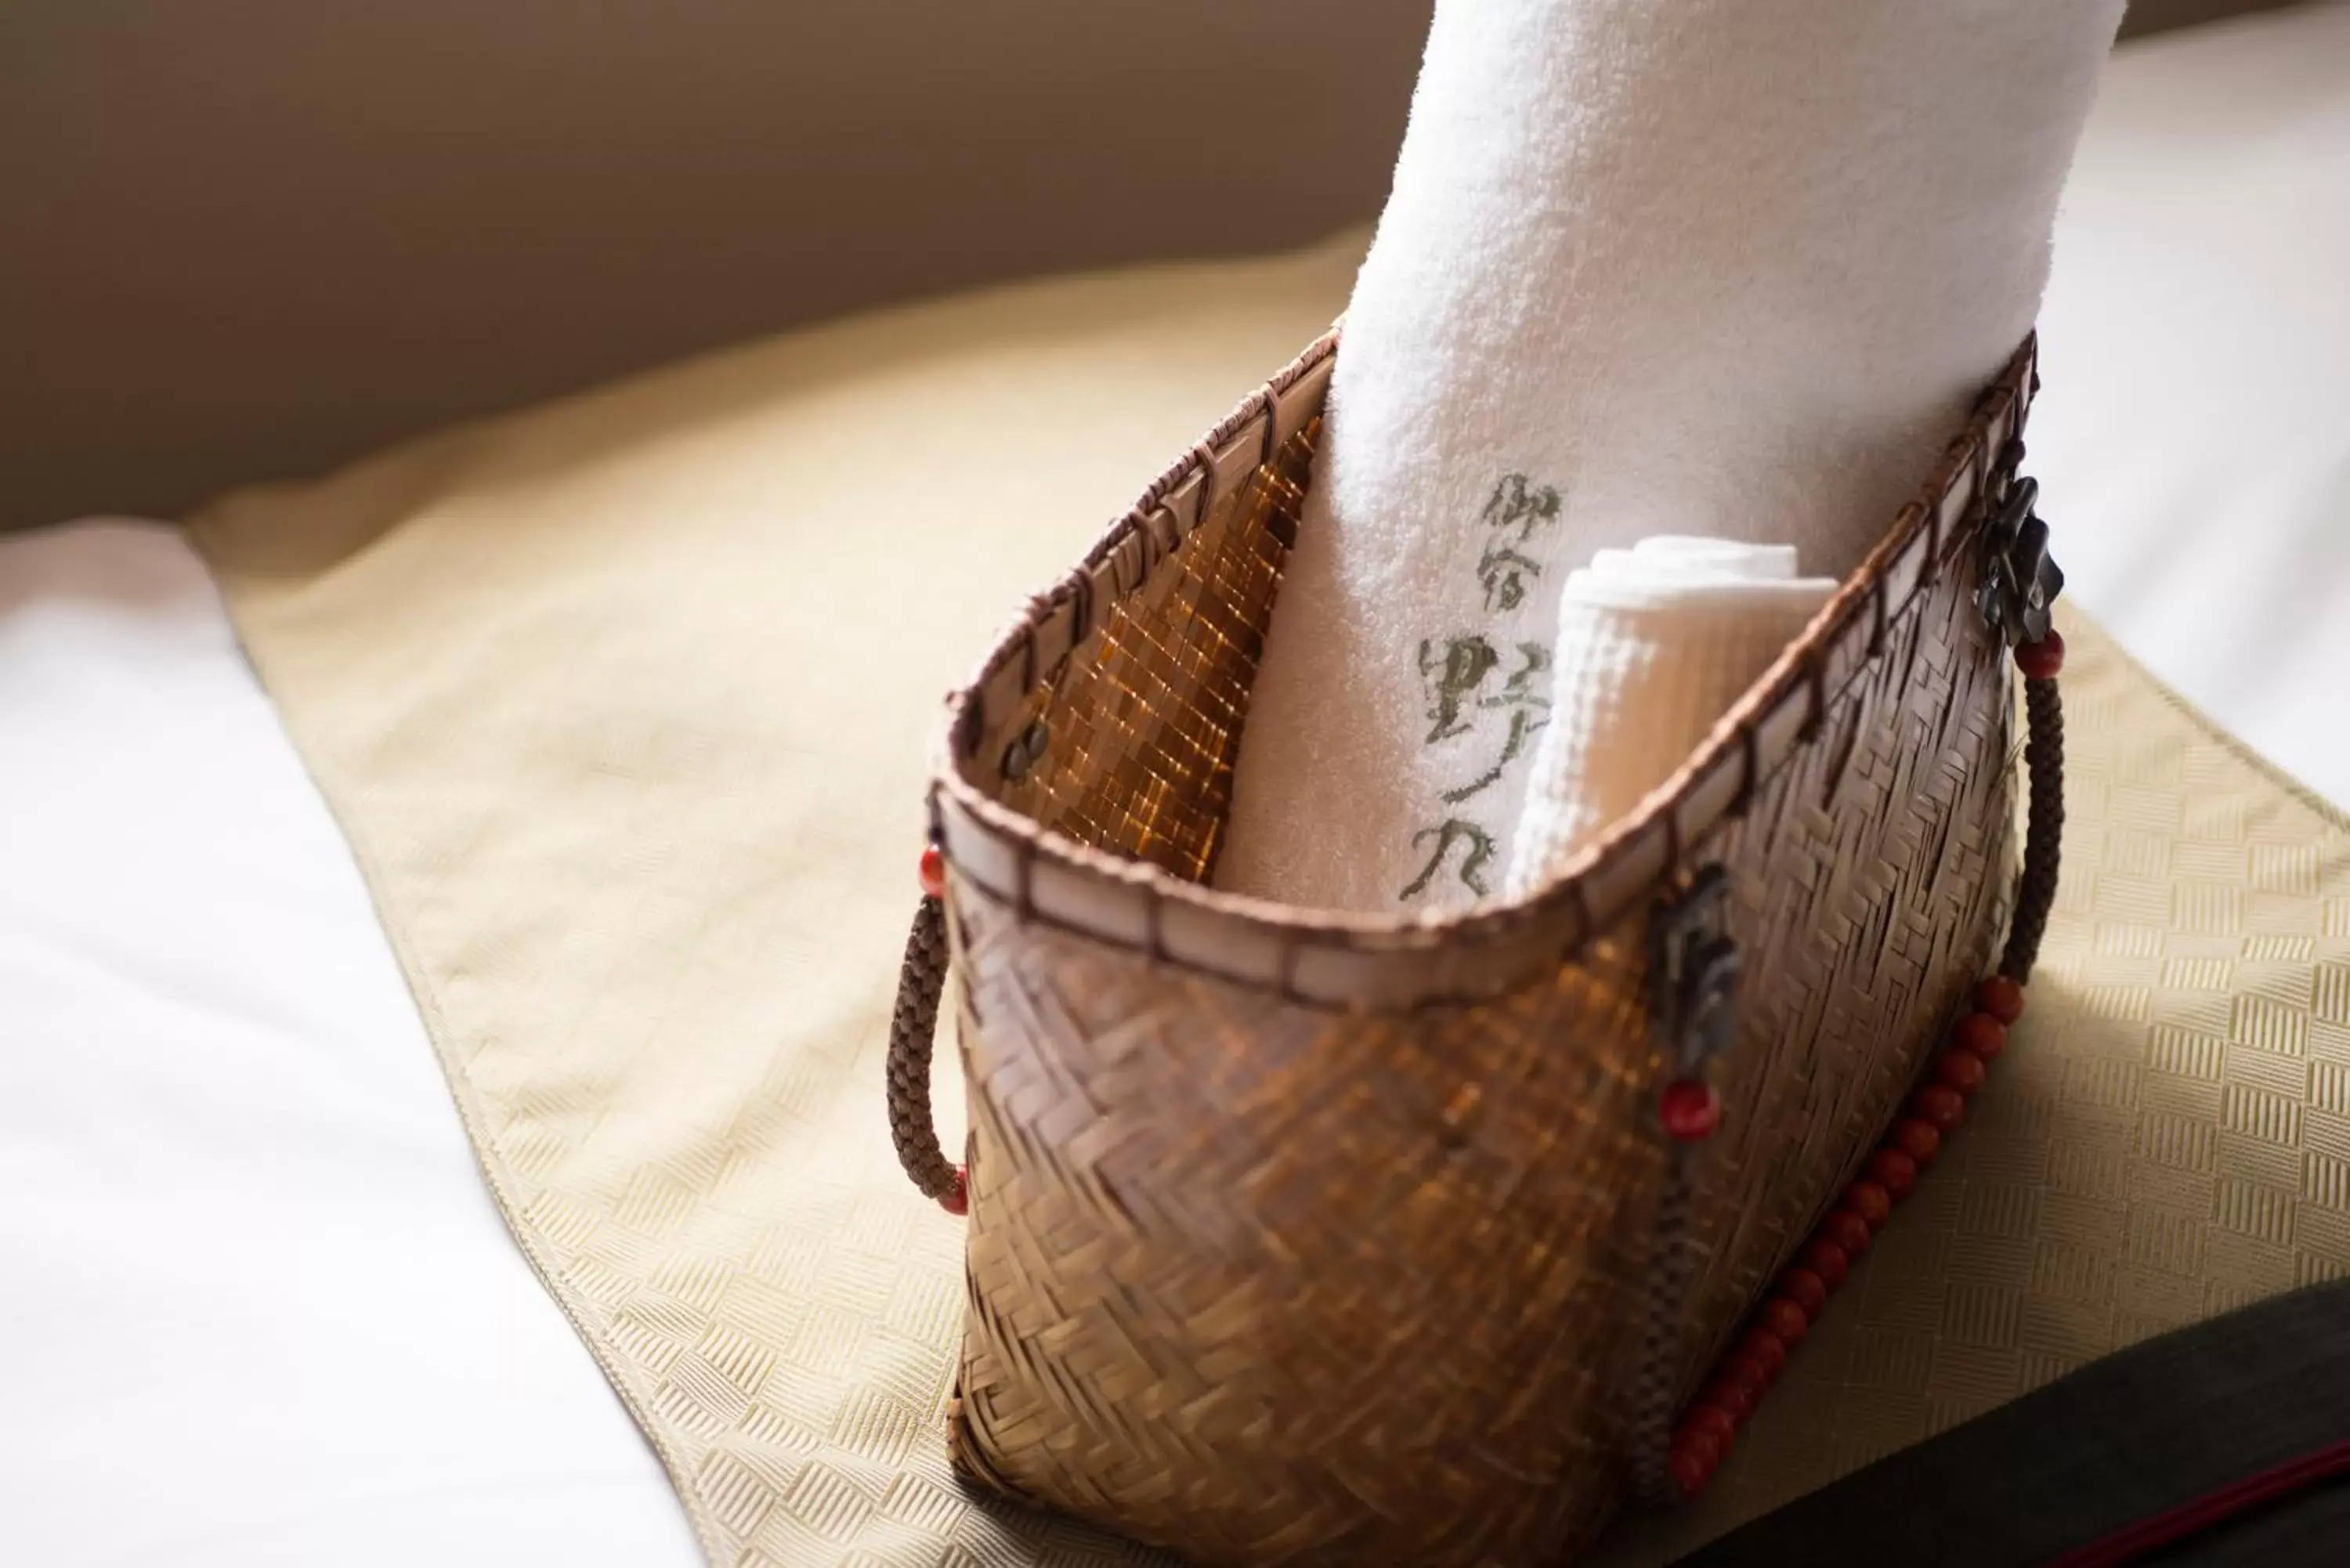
(260,1311)
(255,1306)
(2193,441)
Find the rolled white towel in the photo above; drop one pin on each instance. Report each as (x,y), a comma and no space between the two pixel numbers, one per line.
(1655,643)
(1741,265)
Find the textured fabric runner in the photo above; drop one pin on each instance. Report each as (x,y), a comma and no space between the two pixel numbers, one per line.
(623,703)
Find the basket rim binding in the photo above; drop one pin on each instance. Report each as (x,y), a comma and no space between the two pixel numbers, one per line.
(1331,958)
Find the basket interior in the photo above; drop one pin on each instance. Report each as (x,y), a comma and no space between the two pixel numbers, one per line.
(1128,745)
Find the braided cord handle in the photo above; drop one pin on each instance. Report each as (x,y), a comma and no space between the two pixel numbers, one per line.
(913,1024)
(2044,829)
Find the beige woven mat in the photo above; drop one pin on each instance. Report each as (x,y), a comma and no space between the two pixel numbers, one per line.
(623,703)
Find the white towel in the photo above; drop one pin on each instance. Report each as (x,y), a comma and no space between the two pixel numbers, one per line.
(1654,645)
(1735,267)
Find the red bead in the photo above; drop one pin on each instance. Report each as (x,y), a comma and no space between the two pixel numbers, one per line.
(931,871)
(1732,1400)
(1694,1458)
(1805,1288)
(1870,1201)
(2001,998)
(1766,1348)
(1981,1033)
(2041,660)
(1939,1104)
(1920,1140)
(1755,1374)
(958,1201)
(1713,1421)
(1894,1170)
(1828,1260)
(1691,1110)
(1783,1319)
(1849,1231)
(1961,1070)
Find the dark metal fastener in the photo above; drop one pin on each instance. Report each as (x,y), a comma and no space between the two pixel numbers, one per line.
(2020,580)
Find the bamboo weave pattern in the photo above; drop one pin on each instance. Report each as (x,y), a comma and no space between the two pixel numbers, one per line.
(1270,1282)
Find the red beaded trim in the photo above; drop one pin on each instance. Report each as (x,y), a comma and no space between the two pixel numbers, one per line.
(1801,1292)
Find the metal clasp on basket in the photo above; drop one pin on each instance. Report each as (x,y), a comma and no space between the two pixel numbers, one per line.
(2020,580)
(1693,971)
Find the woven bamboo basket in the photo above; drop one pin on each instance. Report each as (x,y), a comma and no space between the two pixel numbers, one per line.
(1301,1238)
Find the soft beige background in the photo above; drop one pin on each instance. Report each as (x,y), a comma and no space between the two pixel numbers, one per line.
(243,239)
